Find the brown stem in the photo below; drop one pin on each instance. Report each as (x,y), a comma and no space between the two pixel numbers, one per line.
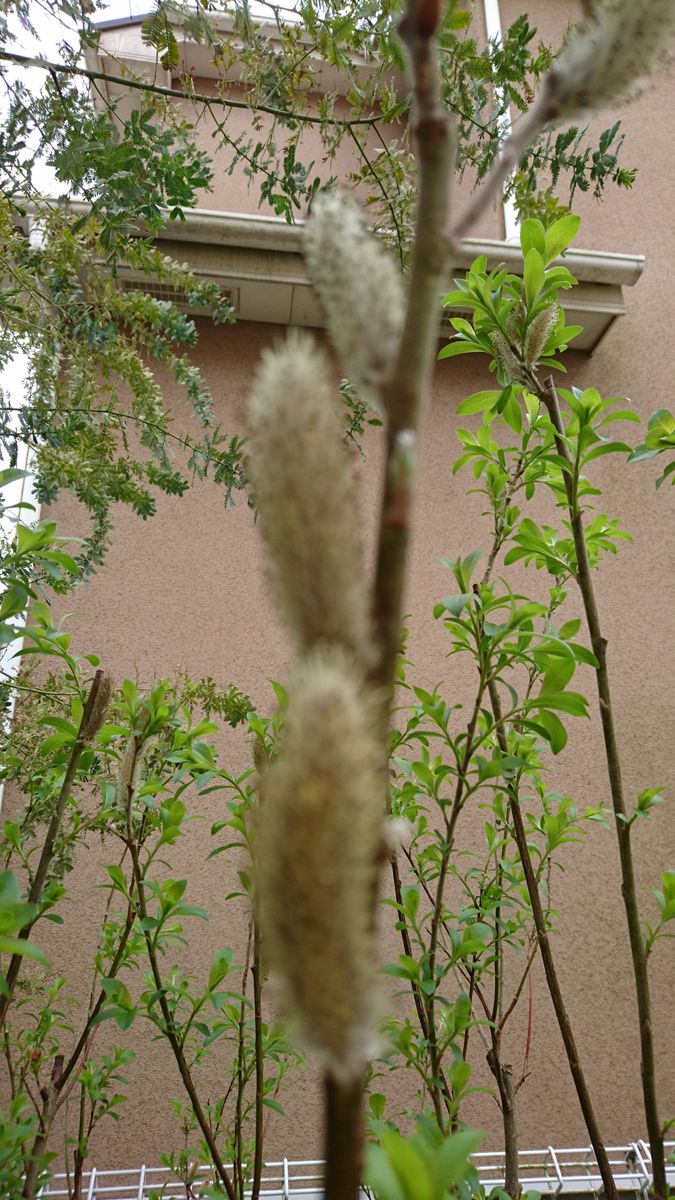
(343,1138)
(78,1157)
(170,1030)
(171,1033)
(49,1096)
(623,827)
(96,1008)
(47,852)
(404,398)
(238,1165)
(504,1077)
(53,1096)
(439,1089)
(256,970)
(128,81)
(411,374)
(549,965)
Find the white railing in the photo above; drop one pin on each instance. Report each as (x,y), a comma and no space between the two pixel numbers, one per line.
(552,1172)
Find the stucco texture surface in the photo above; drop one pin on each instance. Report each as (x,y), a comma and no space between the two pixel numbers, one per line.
(187,589)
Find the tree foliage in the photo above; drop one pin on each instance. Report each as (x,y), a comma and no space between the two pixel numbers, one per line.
(94,349)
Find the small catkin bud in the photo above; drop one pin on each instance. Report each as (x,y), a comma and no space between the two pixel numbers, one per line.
(260,757)
(514,323)
(504,356)
(359,287)
(304,488)
(397,834)
(538,333)
(319,832)
(95,708)
(610,55)
(128,770)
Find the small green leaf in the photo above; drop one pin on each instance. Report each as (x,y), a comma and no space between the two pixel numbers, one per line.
(532,237)
(533,276)
(560,235)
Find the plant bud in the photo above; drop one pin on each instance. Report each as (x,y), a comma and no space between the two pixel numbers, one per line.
(128,770)
(304,488)
(397,834)
(538,332)
(319,832)
(94,712)
(504,356)
(359,287)
(610,55)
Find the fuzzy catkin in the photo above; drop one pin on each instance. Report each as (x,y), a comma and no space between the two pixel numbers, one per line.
(319,835)
(96,715)
(504,356)
(359,287)
(614,50)
(538,332)
(304,488)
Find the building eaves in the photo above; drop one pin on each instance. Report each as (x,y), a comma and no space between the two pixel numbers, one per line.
(261,257)
(258,262)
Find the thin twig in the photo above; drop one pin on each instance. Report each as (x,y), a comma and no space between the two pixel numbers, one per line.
(584,579)
(256,971)
(564,1023)
(178,94)
(169,1027)
(47,852)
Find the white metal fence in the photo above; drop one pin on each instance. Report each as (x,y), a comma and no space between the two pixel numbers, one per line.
(552,1172)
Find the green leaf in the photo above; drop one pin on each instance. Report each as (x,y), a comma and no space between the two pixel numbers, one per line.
(660,430)
(569,702)
(10,475)
(453,1156)
(478,402)
(560,235)
(23,948)
(554,730)
(411,1169)
(453,604)
(381,1177)
(14,601)
(532,237)
(533,276)
(117,876)
(459,347)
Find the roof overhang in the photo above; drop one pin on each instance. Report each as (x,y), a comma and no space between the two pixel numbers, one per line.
(258,261)
(120,49)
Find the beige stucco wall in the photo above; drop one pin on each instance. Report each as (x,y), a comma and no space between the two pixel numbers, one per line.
(187,589)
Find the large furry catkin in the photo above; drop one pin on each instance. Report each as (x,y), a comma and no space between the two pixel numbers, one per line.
(319,831)
(359,286)
(611,54)
(304,490)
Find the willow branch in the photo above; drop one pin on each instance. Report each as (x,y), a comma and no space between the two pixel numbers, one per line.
(169,1026)
(584,579)
(410,379)
(564,1023)
(256,971)
(47,852)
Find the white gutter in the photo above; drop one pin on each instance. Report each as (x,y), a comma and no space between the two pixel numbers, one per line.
(493,28)
(213,227)
(256,232)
